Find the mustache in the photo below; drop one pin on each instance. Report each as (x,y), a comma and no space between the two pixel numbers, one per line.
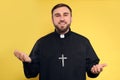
(62,21)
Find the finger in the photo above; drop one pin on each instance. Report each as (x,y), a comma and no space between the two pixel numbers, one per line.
(103,65)
(16,53)
(26,58)
(21,57)
(97,69)
(94,69)
(100,67)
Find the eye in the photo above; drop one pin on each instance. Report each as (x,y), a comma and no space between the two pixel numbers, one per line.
(66,14)
(57,15)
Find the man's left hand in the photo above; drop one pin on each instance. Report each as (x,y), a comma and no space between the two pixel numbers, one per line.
(96,69)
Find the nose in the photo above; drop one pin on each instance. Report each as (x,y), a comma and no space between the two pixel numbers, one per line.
(62,18)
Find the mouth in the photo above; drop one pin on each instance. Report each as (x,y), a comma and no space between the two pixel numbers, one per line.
(62,23)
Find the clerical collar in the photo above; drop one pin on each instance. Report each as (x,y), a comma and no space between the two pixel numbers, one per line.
(63,35)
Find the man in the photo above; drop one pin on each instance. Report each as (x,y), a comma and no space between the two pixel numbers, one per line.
(62,54)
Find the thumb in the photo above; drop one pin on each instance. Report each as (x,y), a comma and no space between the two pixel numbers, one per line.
(104,65)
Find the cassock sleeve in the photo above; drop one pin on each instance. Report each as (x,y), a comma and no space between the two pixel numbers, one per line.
(32,69)
(91,60)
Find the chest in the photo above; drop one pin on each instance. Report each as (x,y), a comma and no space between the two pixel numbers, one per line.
(69,51)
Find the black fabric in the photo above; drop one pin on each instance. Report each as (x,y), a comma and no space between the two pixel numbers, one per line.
(47,50)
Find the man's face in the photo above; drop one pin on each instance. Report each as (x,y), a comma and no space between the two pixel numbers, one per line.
(62,18)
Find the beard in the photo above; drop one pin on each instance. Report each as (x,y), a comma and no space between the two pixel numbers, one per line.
(61,29)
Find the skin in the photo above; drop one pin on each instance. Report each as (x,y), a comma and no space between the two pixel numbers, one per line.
(62,19)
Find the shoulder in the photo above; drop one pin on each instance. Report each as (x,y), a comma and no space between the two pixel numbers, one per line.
(79,36)
(46,37)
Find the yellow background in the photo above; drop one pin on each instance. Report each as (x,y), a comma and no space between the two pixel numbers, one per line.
(22,22)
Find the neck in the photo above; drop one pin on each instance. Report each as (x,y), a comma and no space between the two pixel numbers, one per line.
(63,32)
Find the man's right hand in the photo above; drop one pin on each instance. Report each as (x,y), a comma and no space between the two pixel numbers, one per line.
(22,56)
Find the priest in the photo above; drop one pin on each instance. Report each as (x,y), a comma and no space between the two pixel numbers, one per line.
(62,54)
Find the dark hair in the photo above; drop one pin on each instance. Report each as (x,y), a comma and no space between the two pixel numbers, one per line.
(61,5)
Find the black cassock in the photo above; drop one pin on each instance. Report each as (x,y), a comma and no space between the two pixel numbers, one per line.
(68,57)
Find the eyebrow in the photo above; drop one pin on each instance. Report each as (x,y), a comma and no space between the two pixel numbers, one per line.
(56,14)
(66,13)
(63,13)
